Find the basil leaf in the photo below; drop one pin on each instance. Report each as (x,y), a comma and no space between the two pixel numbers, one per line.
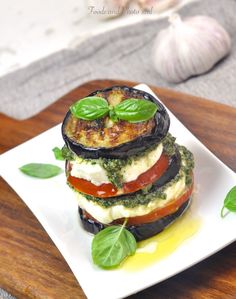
(40,170)
(90,108)
(63,154)
(111,246)
(229,202)
(135,110)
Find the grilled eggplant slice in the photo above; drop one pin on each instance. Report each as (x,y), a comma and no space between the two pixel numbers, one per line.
(140,232)
(103,138)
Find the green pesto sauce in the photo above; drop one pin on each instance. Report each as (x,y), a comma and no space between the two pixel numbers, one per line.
(143,197)
(67,154)
(168,145)
(113,169)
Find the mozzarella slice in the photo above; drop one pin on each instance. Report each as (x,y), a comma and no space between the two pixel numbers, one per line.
(107,215)
(95,173)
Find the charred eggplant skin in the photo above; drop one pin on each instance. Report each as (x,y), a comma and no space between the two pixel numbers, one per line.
(125,150)
(171,172)
(142,231)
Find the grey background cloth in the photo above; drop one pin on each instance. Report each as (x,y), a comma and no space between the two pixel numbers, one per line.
(121,54)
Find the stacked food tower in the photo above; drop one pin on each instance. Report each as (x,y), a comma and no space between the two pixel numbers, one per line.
(123,164)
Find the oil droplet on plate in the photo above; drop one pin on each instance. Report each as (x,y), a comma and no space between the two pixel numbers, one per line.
(162,245)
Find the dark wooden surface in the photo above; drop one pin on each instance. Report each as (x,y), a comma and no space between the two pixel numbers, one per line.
(30,264)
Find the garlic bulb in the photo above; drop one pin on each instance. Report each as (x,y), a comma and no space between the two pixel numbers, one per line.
(189,47)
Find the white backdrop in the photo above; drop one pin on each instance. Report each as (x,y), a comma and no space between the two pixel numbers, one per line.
(33,29)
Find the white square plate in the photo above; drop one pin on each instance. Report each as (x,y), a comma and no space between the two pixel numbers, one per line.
(52,202)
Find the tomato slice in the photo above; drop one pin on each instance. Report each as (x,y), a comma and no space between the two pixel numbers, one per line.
(109,190)
(170,208)
(84,186)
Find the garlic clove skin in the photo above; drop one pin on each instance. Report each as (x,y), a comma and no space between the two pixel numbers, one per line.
(189,47)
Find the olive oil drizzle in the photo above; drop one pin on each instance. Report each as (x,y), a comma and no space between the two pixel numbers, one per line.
(162,245)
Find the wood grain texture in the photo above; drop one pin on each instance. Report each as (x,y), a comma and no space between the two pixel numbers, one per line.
(30,264)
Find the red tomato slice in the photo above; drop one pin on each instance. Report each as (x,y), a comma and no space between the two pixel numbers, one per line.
(109,190)
(84,186)
(170,208)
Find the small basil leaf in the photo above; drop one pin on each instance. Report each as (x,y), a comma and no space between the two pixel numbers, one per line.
(40,170)
(90,108)
(111,246)
(230,201)
(63,154)
(135,110)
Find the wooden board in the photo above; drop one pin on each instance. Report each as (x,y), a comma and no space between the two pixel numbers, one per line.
(30,264)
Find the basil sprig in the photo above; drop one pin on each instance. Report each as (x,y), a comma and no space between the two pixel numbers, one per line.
(229,202)
(112,245)
(41,170)
(131,110)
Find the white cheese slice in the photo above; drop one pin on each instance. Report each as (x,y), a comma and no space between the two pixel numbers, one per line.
(107,215)
(95,173)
